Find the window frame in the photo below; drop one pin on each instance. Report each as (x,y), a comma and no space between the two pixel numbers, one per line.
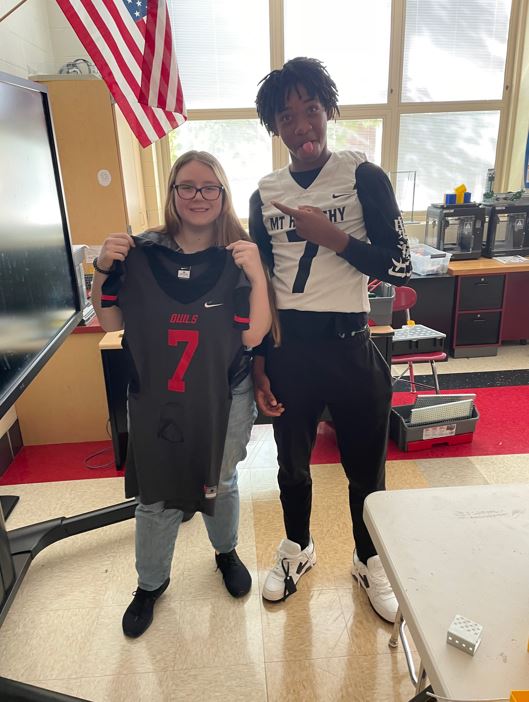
(391,111)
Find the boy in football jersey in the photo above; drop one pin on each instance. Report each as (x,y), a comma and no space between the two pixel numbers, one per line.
(324,225)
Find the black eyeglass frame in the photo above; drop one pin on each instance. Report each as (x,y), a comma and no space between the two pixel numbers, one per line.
(187,188)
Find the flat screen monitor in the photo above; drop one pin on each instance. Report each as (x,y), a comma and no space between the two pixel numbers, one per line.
(39,296)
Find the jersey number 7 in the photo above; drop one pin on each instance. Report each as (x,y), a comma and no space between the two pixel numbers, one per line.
(189,337)
(305,262)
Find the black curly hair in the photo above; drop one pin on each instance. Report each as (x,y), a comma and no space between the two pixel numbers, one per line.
(277,86)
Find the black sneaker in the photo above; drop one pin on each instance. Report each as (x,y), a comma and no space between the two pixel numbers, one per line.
(139,614)
(237,579)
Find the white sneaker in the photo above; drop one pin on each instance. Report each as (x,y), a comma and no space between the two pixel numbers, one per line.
(291,564)
(375,582)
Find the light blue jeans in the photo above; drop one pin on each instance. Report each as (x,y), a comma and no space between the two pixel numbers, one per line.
(157,527)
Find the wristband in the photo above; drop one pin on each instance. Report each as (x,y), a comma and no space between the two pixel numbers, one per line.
(105,271)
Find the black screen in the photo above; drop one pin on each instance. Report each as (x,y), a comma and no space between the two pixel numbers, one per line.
(39,301)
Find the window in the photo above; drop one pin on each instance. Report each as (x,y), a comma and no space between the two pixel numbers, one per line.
(241,145)
(422,85)
(447,149)
(350,37)
(357,135)
(223,49)
(455,51)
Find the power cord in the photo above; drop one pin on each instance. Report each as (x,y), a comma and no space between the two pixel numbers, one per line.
(100,466)
(80,66)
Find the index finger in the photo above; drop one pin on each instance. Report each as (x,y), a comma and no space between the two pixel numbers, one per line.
(293,212)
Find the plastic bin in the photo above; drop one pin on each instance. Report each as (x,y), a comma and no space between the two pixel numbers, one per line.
(425,260)
(381,303)
(424,436)
(417,339)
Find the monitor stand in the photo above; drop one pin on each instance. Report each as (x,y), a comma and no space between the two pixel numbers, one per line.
(17,550)
(7,504)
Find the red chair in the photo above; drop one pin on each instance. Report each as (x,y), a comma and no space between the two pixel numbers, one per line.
(405,298)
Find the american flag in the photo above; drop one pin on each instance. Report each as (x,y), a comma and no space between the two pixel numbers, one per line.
(131,44)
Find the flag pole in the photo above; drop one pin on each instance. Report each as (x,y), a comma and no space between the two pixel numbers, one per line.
(12,10)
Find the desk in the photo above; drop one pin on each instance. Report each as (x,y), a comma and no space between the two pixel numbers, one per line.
(460,550)
(116,382)
(65,402)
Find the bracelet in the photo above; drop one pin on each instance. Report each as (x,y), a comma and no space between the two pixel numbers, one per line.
(105,271)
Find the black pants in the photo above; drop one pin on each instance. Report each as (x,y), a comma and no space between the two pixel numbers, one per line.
(351,377)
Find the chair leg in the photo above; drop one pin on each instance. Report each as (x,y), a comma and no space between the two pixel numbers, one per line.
(435,378)
(412,377)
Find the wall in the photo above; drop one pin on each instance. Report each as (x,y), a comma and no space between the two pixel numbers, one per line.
(36,39)
(66,45)
(25,40)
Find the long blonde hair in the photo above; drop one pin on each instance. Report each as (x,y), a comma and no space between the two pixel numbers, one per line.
(227,226)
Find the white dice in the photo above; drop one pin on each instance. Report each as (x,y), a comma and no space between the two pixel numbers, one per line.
(464,634)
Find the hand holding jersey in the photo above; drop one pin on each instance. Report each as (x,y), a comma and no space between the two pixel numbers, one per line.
(246,256)
(115,248)
(313,225)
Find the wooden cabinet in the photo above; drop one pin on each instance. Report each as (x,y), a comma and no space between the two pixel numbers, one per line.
(479,304)
(99,159)
(492,306)
(478,310)
(66,402)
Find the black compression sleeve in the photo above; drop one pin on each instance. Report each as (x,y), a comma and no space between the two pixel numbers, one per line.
(258,231)
(387,257)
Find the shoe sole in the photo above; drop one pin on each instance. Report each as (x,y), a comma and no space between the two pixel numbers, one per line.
(282,598)
(358,580)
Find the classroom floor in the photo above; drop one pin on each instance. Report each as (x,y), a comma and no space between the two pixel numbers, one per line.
(325,643)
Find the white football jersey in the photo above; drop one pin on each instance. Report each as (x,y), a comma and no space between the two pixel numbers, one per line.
(309,277)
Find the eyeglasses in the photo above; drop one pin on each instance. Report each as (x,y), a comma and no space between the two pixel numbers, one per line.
(208,192)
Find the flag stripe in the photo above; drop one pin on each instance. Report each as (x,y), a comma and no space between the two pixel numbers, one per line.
(118,68)
(120,51)
(126,30)
(158,89)
(118,46)
(131,73)
(81,25)
(167,64)
(147,67)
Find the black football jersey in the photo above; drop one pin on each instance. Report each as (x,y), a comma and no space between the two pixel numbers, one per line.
(183,316)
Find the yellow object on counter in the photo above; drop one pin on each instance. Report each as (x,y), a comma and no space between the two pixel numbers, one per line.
(520,696)
(460,193)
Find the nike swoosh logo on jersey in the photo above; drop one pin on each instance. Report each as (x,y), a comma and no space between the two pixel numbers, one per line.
(334,195)
(213,304)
